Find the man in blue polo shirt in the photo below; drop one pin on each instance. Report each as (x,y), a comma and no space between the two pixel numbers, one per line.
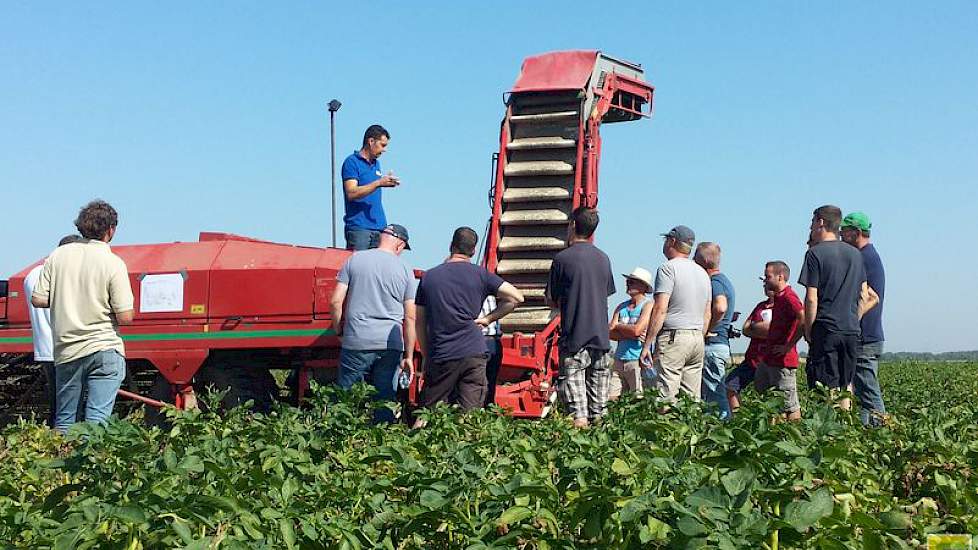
(716,351)
(363,183)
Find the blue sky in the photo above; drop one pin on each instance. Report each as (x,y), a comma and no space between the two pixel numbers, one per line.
(193,116)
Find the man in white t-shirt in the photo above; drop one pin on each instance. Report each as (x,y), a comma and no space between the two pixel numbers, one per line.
(41,332)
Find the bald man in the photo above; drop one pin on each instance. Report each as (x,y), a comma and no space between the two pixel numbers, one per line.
(716,350)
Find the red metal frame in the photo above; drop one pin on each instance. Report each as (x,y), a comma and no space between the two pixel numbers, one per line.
(555,72)
(492,246)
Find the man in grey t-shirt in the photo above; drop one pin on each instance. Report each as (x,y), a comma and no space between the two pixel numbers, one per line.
(680,313)
(373,312)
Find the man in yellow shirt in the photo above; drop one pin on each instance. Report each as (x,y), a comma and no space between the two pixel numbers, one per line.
(87,289)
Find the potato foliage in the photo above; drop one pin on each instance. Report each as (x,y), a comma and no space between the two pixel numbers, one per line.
(324,477)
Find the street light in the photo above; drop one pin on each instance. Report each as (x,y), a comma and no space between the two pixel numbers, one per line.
(333,106)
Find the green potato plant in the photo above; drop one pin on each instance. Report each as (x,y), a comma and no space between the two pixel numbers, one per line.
(324,477)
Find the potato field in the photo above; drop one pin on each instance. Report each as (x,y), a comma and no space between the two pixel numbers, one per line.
(323,477)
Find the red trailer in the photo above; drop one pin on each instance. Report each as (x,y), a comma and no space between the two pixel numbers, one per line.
(226,309)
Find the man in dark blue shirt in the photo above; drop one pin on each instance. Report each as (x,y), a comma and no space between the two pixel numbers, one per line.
(363,183)
(450,323)
(716,352)
(580,283)
(856,231)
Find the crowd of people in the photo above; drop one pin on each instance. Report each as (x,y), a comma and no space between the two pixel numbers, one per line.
(676,341)
(672,334)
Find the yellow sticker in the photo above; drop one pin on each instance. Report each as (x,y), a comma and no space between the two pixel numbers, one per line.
(197,309)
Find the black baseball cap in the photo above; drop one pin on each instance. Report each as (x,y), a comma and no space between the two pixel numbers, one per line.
(399,231)
(682,234)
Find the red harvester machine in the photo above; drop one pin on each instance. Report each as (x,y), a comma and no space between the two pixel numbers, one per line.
(226,309)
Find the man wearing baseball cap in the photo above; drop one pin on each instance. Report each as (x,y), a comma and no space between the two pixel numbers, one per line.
(374,314)
(856,229)
(628,325)
(681,314)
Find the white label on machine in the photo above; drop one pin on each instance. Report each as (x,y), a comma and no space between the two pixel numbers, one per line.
(161,292)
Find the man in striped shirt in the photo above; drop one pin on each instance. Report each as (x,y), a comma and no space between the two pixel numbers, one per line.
(494,345)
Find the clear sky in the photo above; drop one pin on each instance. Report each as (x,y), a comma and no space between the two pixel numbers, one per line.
(191,116)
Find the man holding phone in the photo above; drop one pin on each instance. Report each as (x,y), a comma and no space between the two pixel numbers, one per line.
(363,183)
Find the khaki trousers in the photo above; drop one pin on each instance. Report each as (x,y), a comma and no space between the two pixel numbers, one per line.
(680,364)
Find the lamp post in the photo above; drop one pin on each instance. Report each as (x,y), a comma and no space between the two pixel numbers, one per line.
(333,106)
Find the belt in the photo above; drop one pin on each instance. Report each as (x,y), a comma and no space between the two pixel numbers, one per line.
(671,332)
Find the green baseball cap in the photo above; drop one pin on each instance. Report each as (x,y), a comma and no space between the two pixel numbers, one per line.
(857,220)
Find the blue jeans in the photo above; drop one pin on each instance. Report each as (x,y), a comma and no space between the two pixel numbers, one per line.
(375,367)
(866,384)
(361,239)
(716,357)
(101,375)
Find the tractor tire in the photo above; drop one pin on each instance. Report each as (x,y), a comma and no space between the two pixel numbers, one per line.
(161,390)
(240,384)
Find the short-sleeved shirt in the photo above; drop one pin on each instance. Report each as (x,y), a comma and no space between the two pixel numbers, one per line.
(379,283)
(758,346)
(580,282)
(452,295)
(836,269)
(688,287)
(84,284)
(365,212)
(492,329)
(784,325)
(722,286)
(40,320)
(872,322)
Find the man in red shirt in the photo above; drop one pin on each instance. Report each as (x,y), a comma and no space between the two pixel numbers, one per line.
(755,328)
(780,360)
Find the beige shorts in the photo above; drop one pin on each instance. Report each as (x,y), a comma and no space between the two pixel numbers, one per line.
(626,377)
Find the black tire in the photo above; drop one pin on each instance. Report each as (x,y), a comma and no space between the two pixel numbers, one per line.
(240,384)
(161,390)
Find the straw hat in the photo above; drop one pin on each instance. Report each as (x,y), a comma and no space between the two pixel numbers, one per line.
(640,274)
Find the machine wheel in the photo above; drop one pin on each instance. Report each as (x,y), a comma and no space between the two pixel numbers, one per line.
(240,384)
(161,390)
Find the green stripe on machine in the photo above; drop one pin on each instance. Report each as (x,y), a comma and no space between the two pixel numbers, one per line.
(222,335)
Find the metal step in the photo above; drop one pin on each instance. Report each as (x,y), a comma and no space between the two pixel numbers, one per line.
(544,117)
(534,293)
(513,244)
(527,318)
(534,194)
(509,267)
(540,143)
(533,217)
(539,168)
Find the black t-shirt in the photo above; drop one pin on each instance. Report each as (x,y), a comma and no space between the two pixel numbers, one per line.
(452,295)
(581,281)
(836,270)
